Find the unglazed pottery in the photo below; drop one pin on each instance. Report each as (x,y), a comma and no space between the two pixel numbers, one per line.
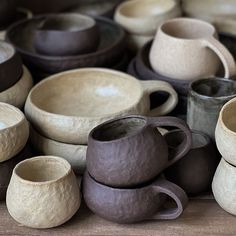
(144,17)
(84,98)
(223,186)
(7,167)
(66,34)
(130,150)
(14,131)
(195,171)
(10,66)
(74,154)
(111,47)
(186,48)
(43,192)
(17,94)
(225,133)
(7,11)
(206,98)
(134,204)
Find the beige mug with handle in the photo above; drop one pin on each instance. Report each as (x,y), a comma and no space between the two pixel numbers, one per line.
(188,49)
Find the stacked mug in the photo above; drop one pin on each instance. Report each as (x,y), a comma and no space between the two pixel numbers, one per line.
(224,181)
(125,158)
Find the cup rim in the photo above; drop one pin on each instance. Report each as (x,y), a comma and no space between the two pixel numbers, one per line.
(43,158)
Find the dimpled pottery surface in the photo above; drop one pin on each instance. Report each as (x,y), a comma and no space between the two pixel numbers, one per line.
(43,192)
(14,131)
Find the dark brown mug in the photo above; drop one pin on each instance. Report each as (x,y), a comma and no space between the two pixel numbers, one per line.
(134,204)
(130,150)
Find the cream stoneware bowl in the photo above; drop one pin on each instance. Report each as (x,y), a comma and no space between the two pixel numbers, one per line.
(225,133)
(144,17)
(17,94)
(74,154)
(223,186)
(43,192)
(14,131)
(136,42)
(67,106)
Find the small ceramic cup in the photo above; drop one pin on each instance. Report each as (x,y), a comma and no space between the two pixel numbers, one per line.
(186,48)
(43,192)
(223,186)
(225,134)
(195,171)
(66,34)
(205,100)
(131,205)
(14,131)
(130,150)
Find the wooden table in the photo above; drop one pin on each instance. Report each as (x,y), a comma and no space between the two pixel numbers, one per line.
(201,217)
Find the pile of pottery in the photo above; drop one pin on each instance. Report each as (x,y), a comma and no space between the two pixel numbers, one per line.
(55,43)
(140,19)
(14,133)
(15,79)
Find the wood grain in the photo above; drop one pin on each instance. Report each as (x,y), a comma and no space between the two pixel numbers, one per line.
(202,217)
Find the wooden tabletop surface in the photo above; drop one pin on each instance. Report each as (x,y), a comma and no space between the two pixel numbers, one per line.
(201,217)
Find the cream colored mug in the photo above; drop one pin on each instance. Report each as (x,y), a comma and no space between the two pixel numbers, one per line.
(188,49)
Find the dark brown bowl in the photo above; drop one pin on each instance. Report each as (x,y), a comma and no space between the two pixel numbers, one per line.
(110,49)
(66,35)
(7,12)
(10,66)
(7,167)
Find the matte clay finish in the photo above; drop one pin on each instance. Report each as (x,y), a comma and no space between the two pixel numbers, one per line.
(223,186)
(130,150)
(136,204)
(66,34)
(205,100)
(74,154)
(225,133)
(183,45)
(14,131)
(7,167)
(10,66)
(47,176)
(17,94)
(84,98)
(7,12)
(195,171)
(144,17)
(110,49)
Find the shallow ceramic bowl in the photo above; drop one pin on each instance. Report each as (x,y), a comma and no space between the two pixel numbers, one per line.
(143,17)
(17,94)
(66,34)
(14,131)
(74,154)
(110,49)
(10,66)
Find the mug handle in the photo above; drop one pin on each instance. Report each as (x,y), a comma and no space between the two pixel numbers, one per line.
(224,55)
(176,193)
(182,149)
(151,86)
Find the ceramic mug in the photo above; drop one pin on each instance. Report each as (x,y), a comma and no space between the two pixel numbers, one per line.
(225,133)
(43,192)
(130,150)
(195,171)
(133,204)
(187,49)
(205,100)
(223,186)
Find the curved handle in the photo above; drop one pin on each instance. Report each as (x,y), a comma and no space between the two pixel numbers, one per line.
(224,55)
(176,193)
(182,149)
(151,86)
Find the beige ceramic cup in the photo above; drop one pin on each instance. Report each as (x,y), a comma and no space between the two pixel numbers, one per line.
(187,49)
(67,106)
(225,133)
(43,192)
(223,186)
